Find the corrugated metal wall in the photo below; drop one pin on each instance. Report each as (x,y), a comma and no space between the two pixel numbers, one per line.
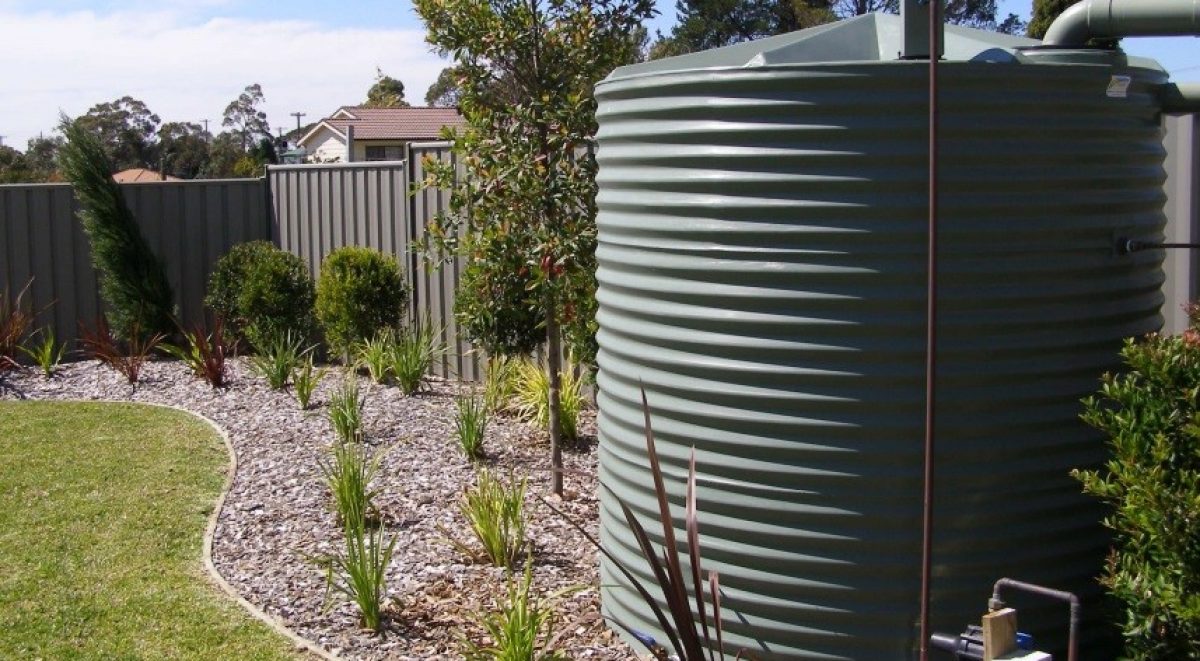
(190,225)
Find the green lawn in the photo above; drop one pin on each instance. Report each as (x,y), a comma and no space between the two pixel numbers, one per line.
(102,514)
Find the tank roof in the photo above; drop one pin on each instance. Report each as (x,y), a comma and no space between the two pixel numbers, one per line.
(875,37)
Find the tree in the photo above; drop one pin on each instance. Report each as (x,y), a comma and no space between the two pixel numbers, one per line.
(223,155)
(133,281)
(528,187)
(704,24)
(126,129)
(443,93)
(182,149)
(387,92)
(14,168)
(244,119)
(980,14)
(41,154)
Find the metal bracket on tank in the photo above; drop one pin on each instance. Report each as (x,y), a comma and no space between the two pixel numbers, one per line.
(1125,245)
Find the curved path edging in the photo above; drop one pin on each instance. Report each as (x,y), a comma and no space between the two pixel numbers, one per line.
(210,531)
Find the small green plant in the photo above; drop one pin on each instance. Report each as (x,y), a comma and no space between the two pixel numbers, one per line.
(348,473)
(360,572)
(15,322)
(375,355)
(412,356)
(1151,416)
(360,292)
(305,379)
(279,358)
(495,511)
(523,628)
(533,397)
(46,352)
(470,426)
(345,410)
(127,358)
(500,376)
(262,292)
(204,353)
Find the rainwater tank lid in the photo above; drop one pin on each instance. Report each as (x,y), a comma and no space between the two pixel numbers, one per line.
(873,37)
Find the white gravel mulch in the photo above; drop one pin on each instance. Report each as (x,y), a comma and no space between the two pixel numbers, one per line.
(276,518)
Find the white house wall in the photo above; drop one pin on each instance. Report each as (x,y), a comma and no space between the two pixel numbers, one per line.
(325,146)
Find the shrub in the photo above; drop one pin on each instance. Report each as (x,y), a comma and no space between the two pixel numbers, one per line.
(128,357)
(204,353)
(495,511)
(500,377)
(348,474)
(46,352)
(360,572)
(523,628)
(262,292)
(133,281)
(360,293)
(345,410)
(279,358)
(304,381)
(375,355)
(470,425)
(15,322)
(412,355)
(1151,417)
(492,309)
(533,397)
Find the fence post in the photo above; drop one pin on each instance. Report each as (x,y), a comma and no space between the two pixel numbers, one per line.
(1181,267)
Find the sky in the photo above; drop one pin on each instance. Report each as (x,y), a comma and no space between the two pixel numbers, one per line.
(187,59)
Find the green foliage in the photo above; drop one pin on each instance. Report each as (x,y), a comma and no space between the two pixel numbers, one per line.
(533,397)
(262,292)
(500,378)
(125,129)
(704,24)
(495,511)
(279,358)
(244,120)
(470,426)
(304,381)
(345,410)
(46,352)
(182,149)
(360,572)
(375,355)
(412,355)
(522,629)
(204,353)
(15,322)
(348,474)
(387,92)
(1151,416)
(494,309)
(133,281)
(360,293)
(443,93)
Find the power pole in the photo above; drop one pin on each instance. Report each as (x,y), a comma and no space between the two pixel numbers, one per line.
(298,115)
(2,140)
(207,135)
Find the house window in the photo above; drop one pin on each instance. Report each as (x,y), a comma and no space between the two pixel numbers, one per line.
(385,153)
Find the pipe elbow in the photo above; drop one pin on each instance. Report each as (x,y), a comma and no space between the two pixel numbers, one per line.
(1114,19)
(1071,28)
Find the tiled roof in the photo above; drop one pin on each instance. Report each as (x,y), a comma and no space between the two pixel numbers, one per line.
(140,176)
(398,123)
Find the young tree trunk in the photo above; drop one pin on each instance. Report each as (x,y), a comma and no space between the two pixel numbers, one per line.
(554,369)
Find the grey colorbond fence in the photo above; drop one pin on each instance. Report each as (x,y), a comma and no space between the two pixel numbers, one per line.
(189,224)
(311,210)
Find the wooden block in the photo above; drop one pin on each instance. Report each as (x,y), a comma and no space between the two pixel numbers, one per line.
(999,633)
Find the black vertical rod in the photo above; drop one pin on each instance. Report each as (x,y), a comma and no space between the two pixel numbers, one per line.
(930,333)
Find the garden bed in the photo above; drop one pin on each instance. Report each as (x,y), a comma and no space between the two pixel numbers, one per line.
(276,520)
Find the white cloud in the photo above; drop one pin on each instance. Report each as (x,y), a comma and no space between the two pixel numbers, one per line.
(188,69)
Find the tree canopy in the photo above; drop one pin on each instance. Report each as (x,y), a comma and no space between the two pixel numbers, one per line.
(387,92)
(443,93)
(126,129)
(244,119)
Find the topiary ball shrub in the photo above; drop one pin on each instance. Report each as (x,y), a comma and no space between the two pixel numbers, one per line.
(262,292)
(360,293)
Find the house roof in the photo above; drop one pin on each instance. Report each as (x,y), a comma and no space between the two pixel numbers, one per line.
(416,123)
(141,176)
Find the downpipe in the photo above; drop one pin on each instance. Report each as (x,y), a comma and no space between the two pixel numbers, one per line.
(1114,19)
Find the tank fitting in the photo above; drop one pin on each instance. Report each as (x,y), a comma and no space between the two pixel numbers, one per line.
(1113,19)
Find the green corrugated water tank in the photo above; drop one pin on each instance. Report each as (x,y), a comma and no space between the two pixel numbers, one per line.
(762,250)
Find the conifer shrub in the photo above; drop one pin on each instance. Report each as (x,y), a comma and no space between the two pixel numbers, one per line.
(360,293)
(263,292)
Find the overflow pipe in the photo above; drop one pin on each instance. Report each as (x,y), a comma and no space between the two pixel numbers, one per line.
(1114,19)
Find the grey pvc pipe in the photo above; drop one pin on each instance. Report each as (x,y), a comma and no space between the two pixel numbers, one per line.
(1181,97)
(1113,19)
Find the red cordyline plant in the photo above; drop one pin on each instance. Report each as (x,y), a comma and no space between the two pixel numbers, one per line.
(204,352)
(687,630)
(99,343)
(15,322)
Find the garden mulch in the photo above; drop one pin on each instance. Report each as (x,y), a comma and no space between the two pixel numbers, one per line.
(276,519)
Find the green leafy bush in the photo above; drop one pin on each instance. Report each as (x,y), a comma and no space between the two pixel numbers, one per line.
(360,293)
(1151,416)
(262,292)
(492,308)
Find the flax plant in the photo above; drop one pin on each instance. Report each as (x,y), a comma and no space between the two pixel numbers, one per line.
(278,358)
(375,355)
(345,410)
(360,572)
(495,511)
(412,355)
(523,628)
(348,473)
(305,378)
(470,426)
(46,352)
